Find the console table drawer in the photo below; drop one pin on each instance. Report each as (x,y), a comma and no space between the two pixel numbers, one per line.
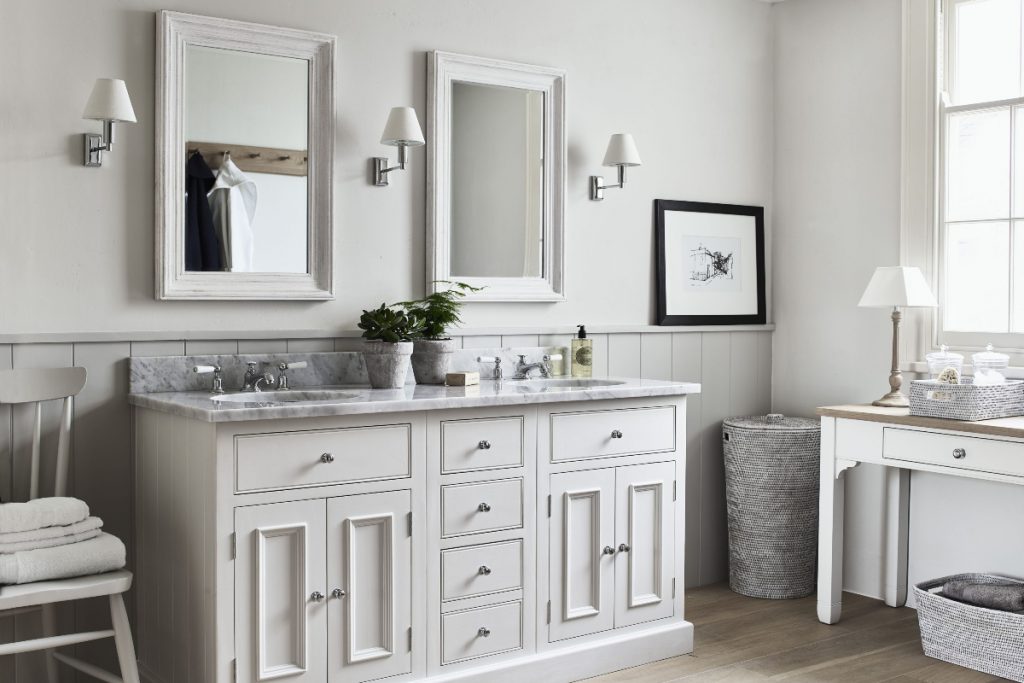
(291,459)
(604,433)
(954,450)
(481,506)
(468,445)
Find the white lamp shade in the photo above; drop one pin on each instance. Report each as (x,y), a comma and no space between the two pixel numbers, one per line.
(109,101)
(622,151)
(897,286)
(403,128)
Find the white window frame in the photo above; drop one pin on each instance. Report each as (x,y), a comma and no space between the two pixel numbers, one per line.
(922,176)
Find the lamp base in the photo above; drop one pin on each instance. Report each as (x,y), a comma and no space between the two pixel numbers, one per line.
(894,399)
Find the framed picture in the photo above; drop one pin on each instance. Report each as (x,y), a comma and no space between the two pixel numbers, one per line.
(710,263)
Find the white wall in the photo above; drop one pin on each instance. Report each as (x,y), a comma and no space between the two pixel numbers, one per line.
(690,78)
(837,204)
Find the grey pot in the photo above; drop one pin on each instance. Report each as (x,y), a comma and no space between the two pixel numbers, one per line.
(387,364)
(430,359)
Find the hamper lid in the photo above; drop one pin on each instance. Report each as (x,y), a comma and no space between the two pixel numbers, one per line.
(775,422)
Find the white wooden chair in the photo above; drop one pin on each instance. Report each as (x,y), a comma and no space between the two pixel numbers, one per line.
(37,386)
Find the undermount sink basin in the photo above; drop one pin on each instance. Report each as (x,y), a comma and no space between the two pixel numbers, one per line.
(575,383)
(291,396)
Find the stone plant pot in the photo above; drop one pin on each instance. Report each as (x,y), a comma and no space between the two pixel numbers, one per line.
(387,364)
(430,359)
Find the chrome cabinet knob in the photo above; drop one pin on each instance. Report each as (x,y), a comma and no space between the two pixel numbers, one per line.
(316,596)
(483,632)
(483,507)
(616,434)
(484,445)
(608,550)
(337,593)
(959,453)
(484,570)
(623,548)
(326,458)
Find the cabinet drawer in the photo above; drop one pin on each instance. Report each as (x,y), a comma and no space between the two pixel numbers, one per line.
(480,632)
(481,569)
(468,445)
(291,459)
(606,433)
(481,506)
(954,450)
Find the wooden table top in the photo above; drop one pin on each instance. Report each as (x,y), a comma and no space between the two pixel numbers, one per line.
(1006,426)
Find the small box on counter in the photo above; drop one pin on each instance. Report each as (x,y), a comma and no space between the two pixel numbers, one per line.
(462,379)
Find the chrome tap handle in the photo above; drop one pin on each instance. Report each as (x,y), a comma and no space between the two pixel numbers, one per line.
(282,378)
(497,365)
(218,380)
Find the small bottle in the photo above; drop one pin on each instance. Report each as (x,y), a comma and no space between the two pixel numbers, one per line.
(582,354)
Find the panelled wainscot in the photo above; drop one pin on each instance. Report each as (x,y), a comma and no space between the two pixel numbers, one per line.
(419,539)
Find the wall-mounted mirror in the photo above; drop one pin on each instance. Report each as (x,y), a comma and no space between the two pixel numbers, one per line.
(496,173)
(245,139)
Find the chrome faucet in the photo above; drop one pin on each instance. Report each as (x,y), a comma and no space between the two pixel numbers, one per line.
(523,368)
(255,381)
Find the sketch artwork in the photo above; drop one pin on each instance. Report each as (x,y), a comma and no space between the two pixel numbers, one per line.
(712,262)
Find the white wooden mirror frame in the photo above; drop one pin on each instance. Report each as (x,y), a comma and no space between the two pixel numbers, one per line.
(176,31)
(445,68)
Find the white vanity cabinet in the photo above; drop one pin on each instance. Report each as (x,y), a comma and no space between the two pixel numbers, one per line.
(479,543)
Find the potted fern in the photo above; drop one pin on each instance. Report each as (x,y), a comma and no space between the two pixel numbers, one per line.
(436,313)
(388,331)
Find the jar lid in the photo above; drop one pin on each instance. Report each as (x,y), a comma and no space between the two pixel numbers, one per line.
(773,421)
(990,359)
(943,355)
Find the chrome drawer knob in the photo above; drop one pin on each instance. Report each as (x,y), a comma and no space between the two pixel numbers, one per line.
(337,593)
(623,548)
(616,434)
(483,507)
(608,550)
(483,632)
(326,458)
(316,596)
(959,453)
(484,570)
(484,445)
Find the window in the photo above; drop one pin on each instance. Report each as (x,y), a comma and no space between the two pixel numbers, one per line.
(980,244)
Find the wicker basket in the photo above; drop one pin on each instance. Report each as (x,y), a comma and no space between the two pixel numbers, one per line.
(975,637)
(966,401)
(771,491)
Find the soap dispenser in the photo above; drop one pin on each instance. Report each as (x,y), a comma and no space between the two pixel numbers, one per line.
(582,354)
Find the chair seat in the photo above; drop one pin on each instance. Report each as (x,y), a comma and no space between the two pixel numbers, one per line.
(45,592)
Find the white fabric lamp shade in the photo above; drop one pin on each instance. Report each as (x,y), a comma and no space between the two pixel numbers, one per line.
(403,128)
(901,286)
(109,101)
(622,151)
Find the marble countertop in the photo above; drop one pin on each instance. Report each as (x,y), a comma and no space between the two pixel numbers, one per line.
(361,399)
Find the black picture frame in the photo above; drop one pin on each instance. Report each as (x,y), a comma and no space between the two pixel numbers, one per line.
(661,207)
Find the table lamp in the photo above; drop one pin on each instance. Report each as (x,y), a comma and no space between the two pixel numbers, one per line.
(896,287)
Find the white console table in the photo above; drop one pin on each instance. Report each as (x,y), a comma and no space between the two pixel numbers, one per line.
(852,434)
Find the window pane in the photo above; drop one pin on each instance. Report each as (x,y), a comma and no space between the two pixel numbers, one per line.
(1018,277)
(978,165)
(977,277)
(987,51)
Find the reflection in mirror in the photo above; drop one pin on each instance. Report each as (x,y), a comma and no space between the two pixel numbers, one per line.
(497,184)
(245,161)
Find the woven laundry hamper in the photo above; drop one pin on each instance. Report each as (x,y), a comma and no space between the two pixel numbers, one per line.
(771,491)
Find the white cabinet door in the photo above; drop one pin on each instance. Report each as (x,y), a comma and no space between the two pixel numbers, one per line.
(644,538)
(280,616)
(582,572)
(369,569)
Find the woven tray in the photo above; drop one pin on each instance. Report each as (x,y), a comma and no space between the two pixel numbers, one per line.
(965,401)
(982,639)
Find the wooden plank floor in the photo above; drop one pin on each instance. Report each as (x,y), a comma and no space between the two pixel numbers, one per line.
(745,640)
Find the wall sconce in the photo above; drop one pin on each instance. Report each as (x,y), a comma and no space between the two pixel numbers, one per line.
(402,131)
(621,153)
(109,103)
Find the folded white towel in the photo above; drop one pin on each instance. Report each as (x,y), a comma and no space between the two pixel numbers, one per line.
(84,535)
(97,555)
(41,513)
(51,532)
